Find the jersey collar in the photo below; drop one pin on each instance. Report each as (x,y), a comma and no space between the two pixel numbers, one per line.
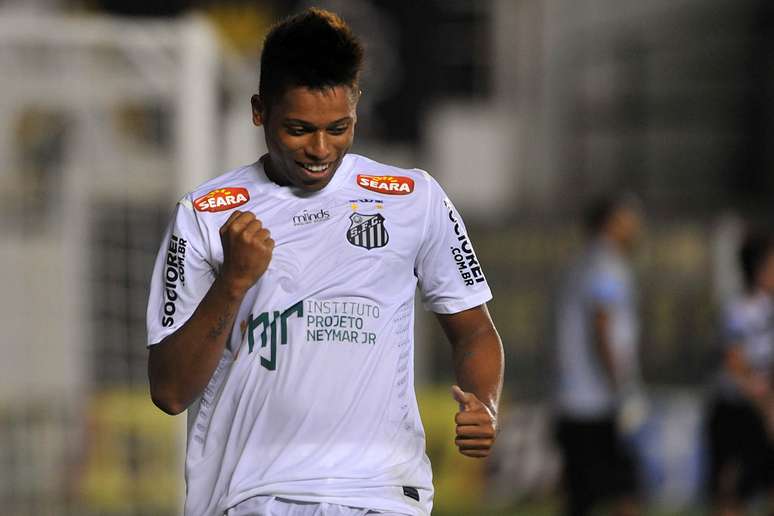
(340,178)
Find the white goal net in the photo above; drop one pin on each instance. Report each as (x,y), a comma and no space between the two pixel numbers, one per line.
(103,125)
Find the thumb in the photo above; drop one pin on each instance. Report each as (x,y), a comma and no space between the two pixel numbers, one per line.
(465,399)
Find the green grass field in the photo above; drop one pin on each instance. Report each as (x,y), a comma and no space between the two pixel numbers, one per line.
(552,508)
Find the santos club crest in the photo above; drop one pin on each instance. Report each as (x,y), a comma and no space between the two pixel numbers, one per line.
(367,231)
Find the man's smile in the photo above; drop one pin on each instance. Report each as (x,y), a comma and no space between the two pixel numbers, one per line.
(315,168)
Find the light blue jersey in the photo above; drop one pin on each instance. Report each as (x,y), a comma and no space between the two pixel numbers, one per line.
(748,322)
(599,279)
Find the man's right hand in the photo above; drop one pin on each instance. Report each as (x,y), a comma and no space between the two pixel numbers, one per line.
(181,365)
(247,251)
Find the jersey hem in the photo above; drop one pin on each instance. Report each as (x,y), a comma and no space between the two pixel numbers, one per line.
(454,307)
(360,503)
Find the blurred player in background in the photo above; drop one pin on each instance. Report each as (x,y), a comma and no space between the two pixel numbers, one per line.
(740,421)
(281,307)
(597,371)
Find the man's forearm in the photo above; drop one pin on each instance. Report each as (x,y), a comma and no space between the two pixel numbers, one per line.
(478,366)
(181,365)
(603,346)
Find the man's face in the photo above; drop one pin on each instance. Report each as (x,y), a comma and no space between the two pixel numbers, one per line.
(627,226)
(766,274)
(308,133)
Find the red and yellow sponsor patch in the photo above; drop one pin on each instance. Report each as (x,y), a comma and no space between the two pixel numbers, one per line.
(390,185)
(222,199)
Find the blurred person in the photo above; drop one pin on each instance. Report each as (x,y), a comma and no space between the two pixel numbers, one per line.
(281,307)
(597,373)
(740,421)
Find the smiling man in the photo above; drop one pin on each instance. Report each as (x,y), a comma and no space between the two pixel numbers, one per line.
(281,307)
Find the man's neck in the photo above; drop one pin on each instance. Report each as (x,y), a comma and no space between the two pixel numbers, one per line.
(271,172)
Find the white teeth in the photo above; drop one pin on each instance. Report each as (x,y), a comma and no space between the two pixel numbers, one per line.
(314,168)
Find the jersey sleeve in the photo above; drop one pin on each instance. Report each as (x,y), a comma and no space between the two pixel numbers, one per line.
(733,326)
(605,289)
(182,274)
(448,271)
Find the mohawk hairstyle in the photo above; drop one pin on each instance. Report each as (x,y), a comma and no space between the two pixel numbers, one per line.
(315,49)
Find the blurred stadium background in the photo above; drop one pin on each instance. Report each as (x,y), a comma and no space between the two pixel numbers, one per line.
(110,110)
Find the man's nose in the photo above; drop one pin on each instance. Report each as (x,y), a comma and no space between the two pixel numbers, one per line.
(319,147)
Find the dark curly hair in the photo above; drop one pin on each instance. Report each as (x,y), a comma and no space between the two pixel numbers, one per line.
(315,49)
(603,207)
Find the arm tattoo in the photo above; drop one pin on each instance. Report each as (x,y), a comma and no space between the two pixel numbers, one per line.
(461,359)
(218,329)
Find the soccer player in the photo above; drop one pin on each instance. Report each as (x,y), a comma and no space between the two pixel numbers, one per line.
(281,307)
(739,423)
(597,375)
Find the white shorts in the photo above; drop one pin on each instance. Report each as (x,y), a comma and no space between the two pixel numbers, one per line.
(273,506)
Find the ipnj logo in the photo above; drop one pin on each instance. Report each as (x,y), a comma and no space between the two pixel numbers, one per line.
(267,325)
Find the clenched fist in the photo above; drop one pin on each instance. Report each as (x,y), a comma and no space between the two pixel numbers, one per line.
(247,250)
(476,425)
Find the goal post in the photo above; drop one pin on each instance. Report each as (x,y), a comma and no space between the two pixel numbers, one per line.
(104,124)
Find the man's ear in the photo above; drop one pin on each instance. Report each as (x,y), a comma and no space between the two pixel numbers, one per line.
(257,104)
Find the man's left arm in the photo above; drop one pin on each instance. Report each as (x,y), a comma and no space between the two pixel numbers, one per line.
(478,366)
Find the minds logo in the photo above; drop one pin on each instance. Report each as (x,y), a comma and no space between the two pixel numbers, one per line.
(313,217)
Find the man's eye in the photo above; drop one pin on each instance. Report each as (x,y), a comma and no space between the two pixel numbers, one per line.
(338,130)
(296,131)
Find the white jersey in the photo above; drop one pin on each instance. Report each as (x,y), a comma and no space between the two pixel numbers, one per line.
(599,279)
(313,399)
(748,323)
